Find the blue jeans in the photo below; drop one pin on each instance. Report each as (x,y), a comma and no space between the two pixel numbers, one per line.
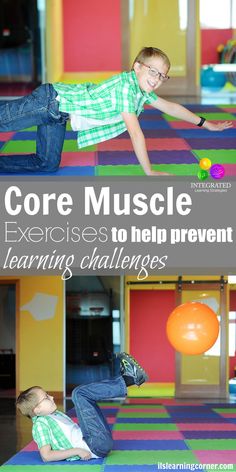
(40,108)
(95,429)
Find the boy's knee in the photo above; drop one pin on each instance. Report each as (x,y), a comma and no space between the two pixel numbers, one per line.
(75,393)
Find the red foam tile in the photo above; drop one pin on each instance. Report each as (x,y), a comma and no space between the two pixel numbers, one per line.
(153,144)
(206,426)
(6,136)
(216,457)
(73,159)
(229,110)
(163,435)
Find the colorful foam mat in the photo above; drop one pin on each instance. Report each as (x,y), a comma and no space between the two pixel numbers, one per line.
(153,434)
(174,146)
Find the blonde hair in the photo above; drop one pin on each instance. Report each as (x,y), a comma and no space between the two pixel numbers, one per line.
(27,401)
(148,52)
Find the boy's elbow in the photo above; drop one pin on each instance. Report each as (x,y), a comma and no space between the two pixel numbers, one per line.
(45,458)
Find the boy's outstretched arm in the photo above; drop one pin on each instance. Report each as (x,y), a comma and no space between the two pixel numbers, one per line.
(48,454)
(178,111)
(138,142)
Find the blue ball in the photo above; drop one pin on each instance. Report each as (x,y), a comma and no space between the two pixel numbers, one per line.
(232,385)
(212,79)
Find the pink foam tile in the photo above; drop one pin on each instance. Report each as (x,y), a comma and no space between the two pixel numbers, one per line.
(230,169)
(110,419)
(83,158)
(181,125)
(153,144)
(163,435)
(6,136)
(216,457)
(174,402)
(206,426)
(144,401)
(32,446)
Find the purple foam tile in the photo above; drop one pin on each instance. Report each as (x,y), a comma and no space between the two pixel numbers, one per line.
(213,143)
(156,157)
(151,445)
(198,108)
(216,457)
(209,434)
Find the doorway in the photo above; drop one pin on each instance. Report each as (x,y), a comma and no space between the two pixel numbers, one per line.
(92,329)
(7,339)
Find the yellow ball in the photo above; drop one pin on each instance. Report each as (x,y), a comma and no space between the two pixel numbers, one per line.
(205,163)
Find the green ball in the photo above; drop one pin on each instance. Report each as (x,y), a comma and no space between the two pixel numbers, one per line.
(202,174)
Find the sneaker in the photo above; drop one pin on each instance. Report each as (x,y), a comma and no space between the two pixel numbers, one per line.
(129,367)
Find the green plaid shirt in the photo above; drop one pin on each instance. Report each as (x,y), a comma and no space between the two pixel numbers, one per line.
(47,431)
(121,93)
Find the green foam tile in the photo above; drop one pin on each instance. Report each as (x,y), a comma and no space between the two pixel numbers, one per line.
(19,147)
(220,116)
(217,156)
(70,145)
(172,169)
(110,404)
(144,427)
(211,444)
(169,117)
(142,414)
(32,128)
(224,410)
(150,457)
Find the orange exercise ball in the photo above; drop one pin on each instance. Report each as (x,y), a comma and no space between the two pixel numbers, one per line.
(192,328)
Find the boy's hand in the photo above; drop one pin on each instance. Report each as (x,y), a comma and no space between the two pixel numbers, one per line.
(155,172)
(84,455)
(218,126)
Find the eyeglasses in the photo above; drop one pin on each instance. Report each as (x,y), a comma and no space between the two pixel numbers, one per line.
(47,397)
(155,73)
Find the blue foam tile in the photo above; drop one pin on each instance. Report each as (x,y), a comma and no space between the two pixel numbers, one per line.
(150,445)
(24,136)
(221,405)
(62,171)
(2,143)
(203,133)
(151,111)
(33,458)
(154,124)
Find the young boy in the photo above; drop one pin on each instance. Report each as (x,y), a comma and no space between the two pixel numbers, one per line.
(98,112)
(57,436)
